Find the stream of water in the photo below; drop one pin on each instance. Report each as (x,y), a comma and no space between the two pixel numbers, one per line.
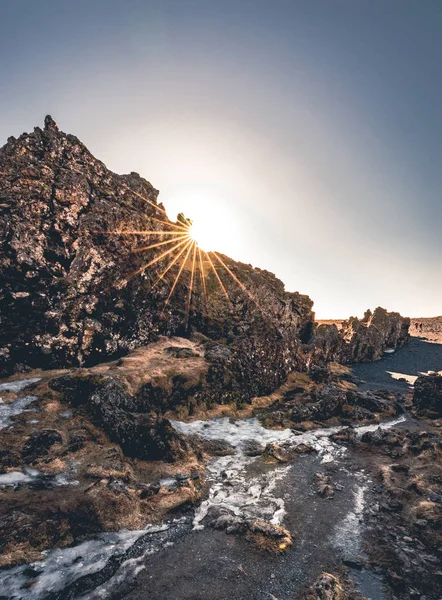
(240,485)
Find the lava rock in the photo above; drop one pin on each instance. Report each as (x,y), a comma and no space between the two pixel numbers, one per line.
(427,395)
(39,443)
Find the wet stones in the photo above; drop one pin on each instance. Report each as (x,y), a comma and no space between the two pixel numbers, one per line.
(214,447)
(324,486)
(273,452)
(346,437)
(267,536)
(252,448)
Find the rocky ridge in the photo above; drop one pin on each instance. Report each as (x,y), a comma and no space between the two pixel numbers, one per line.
(69,296)
(110,364)
(362,340)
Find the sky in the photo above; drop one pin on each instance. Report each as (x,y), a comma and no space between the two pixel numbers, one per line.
(301,136)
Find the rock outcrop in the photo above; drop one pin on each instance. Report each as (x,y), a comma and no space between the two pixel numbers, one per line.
(67,262)
(362,340)
(427,395)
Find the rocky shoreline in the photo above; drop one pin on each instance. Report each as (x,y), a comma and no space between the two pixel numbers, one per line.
(129,424)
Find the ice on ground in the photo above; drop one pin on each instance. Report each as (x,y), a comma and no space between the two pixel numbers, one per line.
(63,566)
(17,386)
(168,482)
(35,478)
(129,568)
(66,414)
(348,532)
(14,478)
(385,425)
(13,409)
(236,492)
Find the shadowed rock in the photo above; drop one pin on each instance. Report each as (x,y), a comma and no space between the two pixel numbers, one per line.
(427,396)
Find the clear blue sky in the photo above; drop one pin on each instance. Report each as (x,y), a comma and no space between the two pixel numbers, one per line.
(309,132)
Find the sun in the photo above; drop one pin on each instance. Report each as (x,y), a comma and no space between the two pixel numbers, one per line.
(201,235)
(183,250)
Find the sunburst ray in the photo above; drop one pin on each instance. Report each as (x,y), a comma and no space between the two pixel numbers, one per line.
(179,273)
(158,258)
(173,262)
(203,277)
(218,277)
(157,245)
(192,275)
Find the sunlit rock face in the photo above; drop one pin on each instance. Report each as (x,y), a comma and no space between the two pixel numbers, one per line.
(69,296)
(362,340)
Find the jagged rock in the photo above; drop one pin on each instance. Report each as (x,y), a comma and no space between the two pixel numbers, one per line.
(273,452)
(331,401)
(427,395)
(363,340)
(69,295)
(252,448)
(216,447)
(140,434)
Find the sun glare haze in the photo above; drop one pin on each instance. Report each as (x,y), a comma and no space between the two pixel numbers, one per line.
(301,137)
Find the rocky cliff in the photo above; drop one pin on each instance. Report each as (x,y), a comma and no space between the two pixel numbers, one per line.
(70,297)
(362,340)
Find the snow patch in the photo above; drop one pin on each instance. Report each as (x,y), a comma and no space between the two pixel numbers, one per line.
(63,566)
(234,491)
(17,386)
(13,409)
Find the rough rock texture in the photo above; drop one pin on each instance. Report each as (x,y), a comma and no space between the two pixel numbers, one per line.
(304,404)
(427,396)
(363,340)
(69,294)
(79,482)
(404,518)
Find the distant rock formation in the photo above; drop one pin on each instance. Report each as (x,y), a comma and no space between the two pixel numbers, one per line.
(363,340)
(69,297)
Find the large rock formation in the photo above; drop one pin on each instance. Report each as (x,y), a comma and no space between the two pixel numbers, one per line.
(69,294)
(362,340)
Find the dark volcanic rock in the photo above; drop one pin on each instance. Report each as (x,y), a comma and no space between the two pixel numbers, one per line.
(70,296)
(38,444)
(363,340)
(427,396)
(140,434)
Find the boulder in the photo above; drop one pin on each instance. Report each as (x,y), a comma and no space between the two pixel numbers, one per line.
(427,395)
